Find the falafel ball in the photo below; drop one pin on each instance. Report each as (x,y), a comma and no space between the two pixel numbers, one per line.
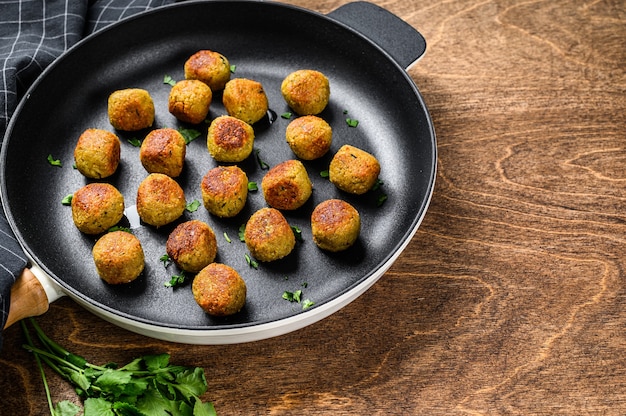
(225,190)
(119,257)
(210,67)
(309,137)
(163,151)
(353,170)
(192,245)
(287,185)
(245,99)
(131,109)
(268,235)
(230,139)
(96,207)
(306,91)
(160,200)
(335,225)
(97,153)
(189,101)
(219,290)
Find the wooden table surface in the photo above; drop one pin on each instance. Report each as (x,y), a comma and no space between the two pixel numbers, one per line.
(510,298)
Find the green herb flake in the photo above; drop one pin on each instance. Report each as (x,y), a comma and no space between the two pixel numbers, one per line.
(233,68)
(352,122)
(176,280)
(165,259)
(120,228)
(297,232)
(189,134)
(292,296)
(67,200)
(252,186)
(193,206)
(251,262)
(381,200)
(286,115)
(227,238)
(241,233)
(262,164)
(169,80)
(307,303)
(325,174)
(134,142)
(54,162)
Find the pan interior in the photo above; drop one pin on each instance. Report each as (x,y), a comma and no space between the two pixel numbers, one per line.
(266,42)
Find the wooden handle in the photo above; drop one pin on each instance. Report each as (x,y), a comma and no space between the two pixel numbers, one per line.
(28,298)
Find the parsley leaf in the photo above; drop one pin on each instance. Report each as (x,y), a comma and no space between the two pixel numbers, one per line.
(262,164)
(352,122)
(193,206)
(169,80)
(54,162)
(189,134)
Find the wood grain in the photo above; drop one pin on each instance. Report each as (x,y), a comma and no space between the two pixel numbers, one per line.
(509,299)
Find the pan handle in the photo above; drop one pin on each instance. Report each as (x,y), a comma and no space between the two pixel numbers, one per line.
(399,39)
(31,295)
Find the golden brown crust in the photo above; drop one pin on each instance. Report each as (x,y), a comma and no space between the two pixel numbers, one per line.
(224,190)
(268,235)
(190,100)
(219,290)
(335,225)
(119,257)
(210,67)
(245,99)
(192,245)
(230,139)
(163,151)
(287,185)
(131,109)
(160,200)
(96,207)
(309,137)
(97,153)
(353,170)
(306,91)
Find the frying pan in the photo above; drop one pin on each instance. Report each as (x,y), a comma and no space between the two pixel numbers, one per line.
(362,49)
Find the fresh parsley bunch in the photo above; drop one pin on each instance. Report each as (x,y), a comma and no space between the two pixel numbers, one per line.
(147,386)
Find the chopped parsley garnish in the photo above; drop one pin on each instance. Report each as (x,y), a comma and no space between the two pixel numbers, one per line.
(251,262)
(189,134)
(165,259)
(193,206)
(233,68)
(287,115)
(352,122)
(134,141)
(252,186)
(120,228)
(54,162)
(292,296)
(381,200)
(227,238)
(262,164)
(67,200)
(242,230)
(297,232)
(325,174)
(307,303)
(177,280)
(169,80)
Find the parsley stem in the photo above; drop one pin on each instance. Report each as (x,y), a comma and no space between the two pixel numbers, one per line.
(41,370)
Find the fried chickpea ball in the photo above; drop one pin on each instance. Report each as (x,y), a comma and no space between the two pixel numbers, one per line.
(119,257)
(96,207)
(306,91)
(210,67)
(131,109)
(268,235)
(160,200)
(163,151)
(189,101)
(309,137)
(353,170)
(245,99)
(97,153)
(230,139)
(219,290)
(287,185)
(335,225)
(224,190)
(192,245)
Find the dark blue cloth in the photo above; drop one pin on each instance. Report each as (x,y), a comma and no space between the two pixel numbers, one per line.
(33,33)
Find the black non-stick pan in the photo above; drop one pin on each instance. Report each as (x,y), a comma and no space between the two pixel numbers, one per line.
(265,41)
